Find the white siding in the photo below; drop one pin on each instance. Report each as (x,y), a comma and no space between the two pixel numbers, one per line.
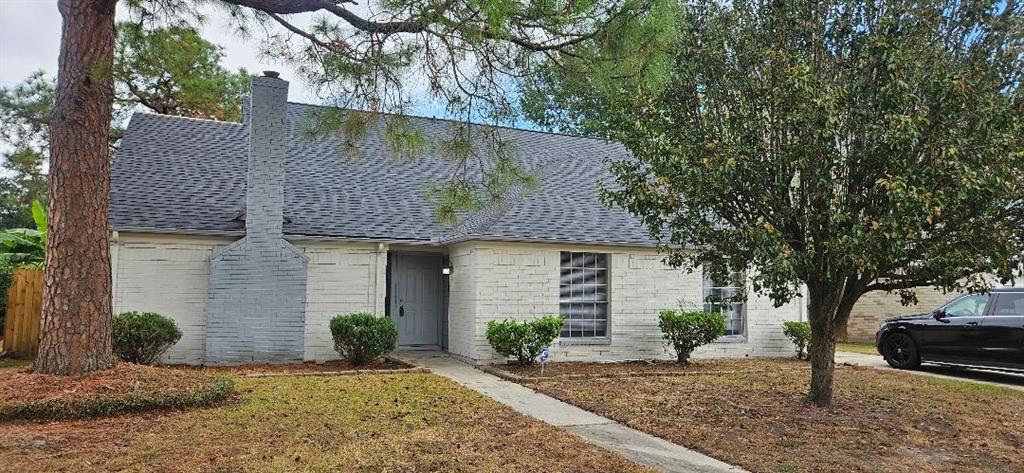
(493,281)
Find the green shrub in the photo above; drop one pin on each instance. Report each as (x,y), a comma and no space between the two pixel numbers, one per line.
(687,330)
(99,406)
(141,337)
(800,334)
(524,340)
(361,337)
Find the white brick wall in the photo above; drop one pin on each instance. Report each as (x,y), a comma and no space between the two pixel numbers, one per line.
(490,281)
(343,278)
(493,281)
(170,275)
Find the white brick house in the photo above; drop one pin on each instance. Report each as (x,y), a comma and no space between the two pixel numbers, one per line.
(358,235)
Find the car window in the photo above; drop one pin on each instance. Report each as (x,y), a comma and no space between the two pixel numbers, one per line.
(967,306)
(1009,304)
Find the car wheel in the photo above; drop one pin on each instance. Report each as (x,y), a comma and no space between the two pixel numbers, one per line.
(900,351)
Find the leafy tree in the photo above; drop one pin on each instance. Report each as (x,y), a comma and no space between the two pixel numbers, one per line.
(841,146)
(468,53)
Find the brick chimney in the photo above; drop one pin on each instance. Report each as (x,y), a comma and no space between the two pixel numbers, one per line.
(264,193)
(257,303)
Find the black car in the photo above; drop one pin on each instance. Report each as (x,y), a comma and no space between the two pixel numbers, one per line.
(974,330)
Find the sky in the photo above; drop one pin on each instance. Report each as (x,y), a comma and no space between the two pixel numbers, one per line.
(30,41)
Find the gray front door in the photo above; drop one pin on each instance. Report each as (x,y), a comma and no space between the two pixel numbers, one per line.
(416,301)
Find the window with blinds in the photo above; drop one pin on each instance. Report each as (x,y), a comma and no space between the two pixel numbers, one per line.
(583,294)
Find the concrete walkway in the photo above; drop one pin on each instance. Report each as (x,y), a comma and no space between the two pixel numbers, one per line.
(993,378)
(604,433)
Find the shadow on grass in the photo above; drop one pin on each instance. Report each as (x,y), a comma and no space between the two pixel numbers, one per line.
(1002,377)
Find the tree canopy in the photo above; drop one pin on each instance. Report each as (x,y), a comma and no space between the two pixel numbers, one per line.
(167,70)
(841,146)
(174,71)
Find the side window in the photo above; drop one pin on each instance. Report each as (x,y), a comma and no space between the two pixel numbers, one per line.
(726,298)
(1009,304)
(967,306)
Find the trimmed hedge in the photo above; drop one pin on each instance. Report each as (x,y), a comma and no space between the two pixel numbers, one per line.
(524,340)
(800,334)
(362,337)
(99,406)
(687,330)
(141,337)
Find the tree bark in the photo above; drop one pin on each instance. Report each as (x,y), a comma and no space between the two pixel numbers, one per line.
(76,325)
(823,302)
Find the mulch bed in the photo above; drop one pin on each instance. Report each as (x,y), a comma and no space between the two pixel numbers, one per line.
(334,367)
(638,368)
(125,387)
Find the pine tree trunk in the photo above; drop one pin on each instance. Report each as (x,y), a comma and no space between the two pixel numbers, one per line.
(77,296)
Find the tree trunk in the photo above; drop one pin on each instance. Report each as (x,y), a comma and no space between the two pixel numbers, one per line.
(823,301)
(682,357)
(76,298)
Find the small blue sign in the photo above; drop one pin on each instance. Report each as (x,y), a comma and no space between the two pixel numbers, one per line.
(544,354)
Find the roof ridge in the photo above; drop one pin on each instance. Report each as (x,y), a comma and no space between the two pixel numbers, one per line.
(452,120)
(164,115)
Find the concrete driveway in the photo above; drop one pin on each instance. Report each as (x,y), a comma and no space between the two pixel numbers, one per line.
(995,378)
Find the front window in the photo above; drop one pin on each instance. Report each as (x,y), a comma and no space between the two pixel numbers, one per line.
(583,294)
(967,306)
(726,298)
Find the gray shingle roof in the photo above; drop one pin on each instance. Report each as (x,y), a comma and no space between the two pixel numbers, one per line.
(183,175)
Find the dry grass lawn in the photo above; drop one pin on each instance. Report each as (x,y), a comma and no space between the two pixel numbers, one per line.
(882,421)
(862,348)
(373,423)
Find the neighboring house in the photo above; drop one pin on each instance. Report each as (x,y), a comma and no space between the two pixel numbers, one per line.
(252,238)
(874,307)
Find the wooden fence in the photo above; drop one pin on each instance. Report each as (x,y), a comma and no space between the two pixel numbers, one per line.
(24,312)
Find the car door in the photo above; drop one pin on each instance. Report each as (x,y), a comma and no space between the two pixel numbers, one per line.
(954,334)
(1003,331)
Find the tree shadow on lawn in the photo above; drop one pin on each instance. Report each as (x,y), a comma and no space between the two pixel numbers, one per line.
(1001,377)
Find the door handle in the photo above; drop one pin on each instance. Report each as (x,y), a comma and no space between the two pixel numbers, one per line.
(401,311)
(972,324)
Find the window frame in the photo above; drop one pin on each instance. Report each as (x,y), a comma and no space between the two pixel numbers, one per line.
(607,302)
(740,285)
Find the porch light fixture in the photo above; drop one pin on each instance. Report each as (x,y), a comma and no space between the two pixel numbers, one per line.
(447,270)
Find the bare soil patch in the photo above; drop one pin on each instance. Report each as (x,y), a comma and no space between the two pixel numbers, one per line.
(882,420)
